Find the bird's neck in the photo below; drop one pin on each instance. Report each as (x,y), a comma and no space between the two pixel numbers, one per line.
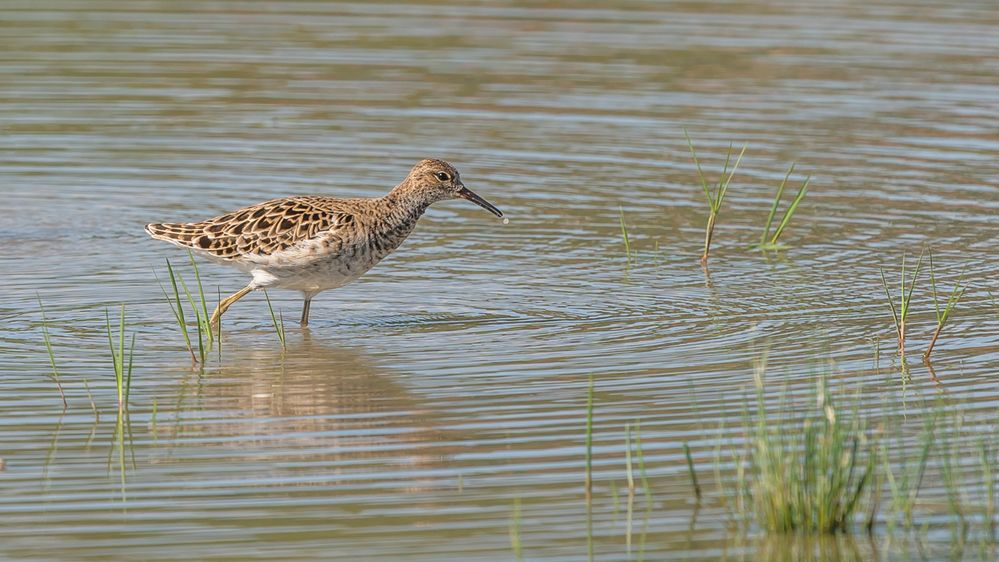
(406,203)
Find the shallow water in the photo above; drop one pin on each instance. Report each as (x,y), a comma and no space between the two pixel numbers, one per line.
(449,385)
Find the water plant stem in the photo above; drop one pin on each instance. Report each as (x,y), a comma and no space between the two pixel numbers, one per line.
(48,347)
(901,313)
(624,235)
(716,195)
(278,322)
(588,477)
(942,315)
(693,474)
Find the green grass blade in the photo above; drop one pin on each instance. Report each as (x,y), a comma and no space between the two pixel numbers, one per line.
(773,208)
(178,312)
(891,302)
(624,234)
(700,173)
(790,210)
(723,186)
(588,476)
(912,286)
(203,317)
(48,347)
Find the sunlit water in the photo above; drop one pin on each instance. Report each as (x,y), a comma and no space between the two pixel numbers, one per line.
(448,387)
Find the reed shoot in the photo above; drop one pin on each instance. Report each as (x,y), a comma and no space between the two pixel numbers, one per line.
(715,195)
(624,235)
(515,543)
(177,308)
(203,317)
(122,369)
(693,474)
(942,314)
(588,476)
(278,321)
(48,347)
(768,242)
(900,313)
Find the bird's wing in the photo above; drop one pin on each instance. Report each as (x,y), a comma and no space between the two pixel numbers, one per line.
(260,230)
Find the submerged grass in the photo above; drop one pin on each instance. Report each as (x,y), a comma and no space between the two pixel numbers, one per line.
(768,242)
(278,322)
(900,313)
(942,314)
(48,347)
(716,195)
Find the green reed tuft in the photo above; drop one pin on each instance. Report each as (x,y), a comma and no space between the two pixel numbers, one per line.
(48,347)
(900,313)
(278,322)
(768,242)
(716,195)
(205,334)
(122,360)
(810,480)
(942,315)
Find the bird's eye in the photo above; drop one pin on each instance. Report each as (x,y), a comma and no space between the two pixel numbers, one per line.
(442,176)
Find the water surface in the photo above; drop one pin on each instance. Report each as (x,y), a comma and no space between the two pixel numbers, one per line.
(449,385)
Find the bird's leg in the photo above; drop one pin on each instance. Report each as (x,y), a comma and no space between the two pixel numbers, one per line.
(305,311)
(227,302)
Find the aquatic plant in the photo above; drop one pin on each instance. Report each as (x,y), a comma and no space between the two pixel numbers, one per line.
(716,195)
(277,321)
(624,235)
(812,479)
(204,332)
(901,313)
(515,523)
(692,472)
(942,315)
(768,242)
(122,361)
(48,347)
(588,476)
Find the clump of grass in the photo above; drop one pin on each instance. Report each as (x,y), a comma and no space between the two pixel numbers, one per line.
(810,480)
(900,313)
(624,235)
(904,487)
(122,360)
(942,315)
(204,330)
(716,195)
(278,322)
(768,242)
(48,347)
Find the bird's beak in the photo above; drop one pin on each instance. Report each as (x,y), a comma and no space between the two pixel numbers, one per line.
(470,195)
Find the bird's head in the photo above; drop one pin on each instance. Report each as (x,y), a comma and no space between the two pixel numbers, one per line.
(436,180)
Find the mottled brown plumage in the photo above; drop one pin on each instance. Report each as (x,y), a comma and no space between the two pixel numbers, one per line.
(314,243)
